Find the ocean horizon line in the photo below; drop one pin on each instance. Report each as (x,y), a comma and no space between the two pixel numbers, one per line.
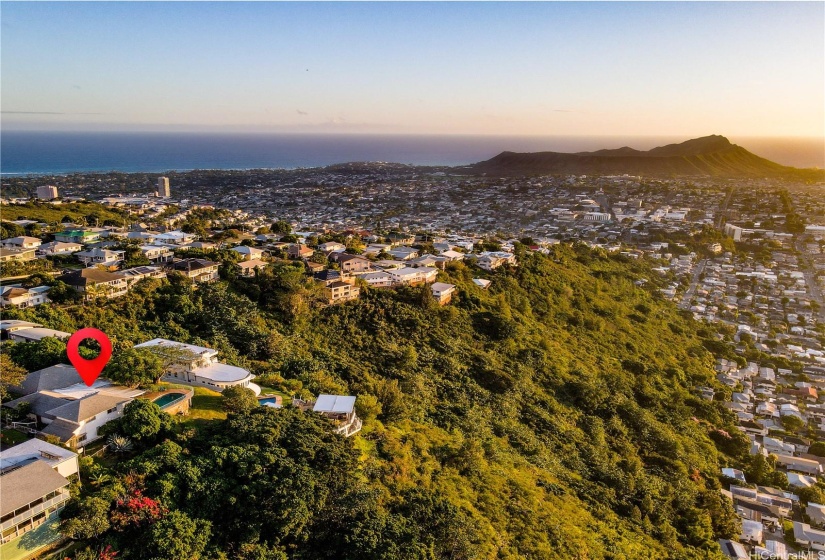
(64,152)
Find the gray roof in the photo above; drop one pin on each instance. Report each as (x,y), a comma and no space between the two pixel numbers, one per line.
(53,377)
(25,484)
(40,403)
(85,408)
(63,429)
(35,448)
(337,404)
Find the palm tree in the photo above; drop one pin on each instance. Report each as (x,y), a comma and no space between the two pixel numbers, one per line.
(119,444)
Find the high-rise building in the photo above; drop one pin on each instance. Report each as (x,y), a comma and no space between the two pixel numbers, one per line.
(47,192)
(163,187)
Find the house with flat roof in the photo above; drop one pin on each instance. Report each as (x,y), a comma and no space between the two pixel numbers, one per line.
(8,254)
(443,292)
(35,334)
(414,276)
(341,410)
(198,365)
(60,459)
(32,492)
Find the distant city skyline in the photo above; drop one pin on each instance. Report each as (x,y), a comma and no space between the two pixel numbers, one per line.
(623,69)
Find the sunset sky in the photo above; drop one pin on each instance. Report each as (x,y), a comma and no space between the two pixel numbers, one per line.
(747,69)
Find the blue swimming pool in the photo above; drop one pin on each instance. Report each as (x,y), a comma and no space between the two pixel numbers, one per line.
(271,401)
(168,399)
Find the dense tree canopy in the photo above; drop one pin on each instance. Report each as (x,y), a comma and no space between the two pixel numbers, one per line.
(552,415)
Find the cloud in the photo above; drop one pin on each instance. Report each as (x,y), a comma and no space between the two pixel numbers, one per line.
(563,111)
(304,113)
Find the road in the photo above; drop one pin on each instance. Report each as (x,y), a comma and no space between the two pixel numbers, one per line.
(694,281)
(813,287)
(724,209)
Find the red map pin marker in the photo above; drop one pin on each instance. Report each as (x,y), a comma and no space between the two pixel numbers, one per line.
(89,370)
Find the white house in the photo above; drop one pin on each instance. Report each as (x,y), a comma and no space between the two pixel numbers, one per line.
(76,423)
(58,248)
(60,459)
(23,242)
(414,276)
(18,296)
(197,365)
(442,292)
(248,253)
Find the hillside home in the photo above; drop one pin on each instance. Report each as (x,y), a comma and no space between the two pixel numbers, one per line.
(197,365)
(339,292)
(808,537)
(377,279)
(443,292)
(197,270)
(77,236)
(21,255)
(248,253)
(495,259)
(341,410)
(21,242)
(176,237)
(351,263)
(157,253)
(414,276)
(403,253)
(101,257)
(58,248)
(94,282)
(138,273)
(798,464)
(299,251)
(249,267)
(32,493)
(35,334)
(60,459)
(20,297)
(331,247)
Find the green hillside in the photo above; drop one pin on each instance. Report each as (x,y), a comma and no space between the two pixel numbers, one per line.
(549,417)
(708,156)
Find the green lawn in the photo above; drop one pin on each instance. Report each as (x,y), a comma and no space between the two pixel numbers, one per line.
(206,405)
(44,536)
(13,437)
(287,398)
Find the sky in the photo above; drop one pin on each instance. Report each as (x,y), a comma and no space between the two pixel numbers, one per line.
(507,68)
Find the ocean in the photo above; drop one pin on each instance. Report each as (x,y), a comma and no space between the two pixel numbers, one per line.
(24,153)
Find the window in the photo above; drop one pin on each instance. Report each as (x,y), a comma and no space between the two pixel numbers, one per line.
(111,410)
(81,437)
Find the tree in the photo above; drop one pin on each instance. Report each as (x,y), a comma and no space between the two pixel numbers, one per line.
(177,537)
(85,519)
(143,420)
(239,399)
(792,423)
(282,227)
(12,375)
(34,356)
(135,366)
(817,448)
(367,407)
